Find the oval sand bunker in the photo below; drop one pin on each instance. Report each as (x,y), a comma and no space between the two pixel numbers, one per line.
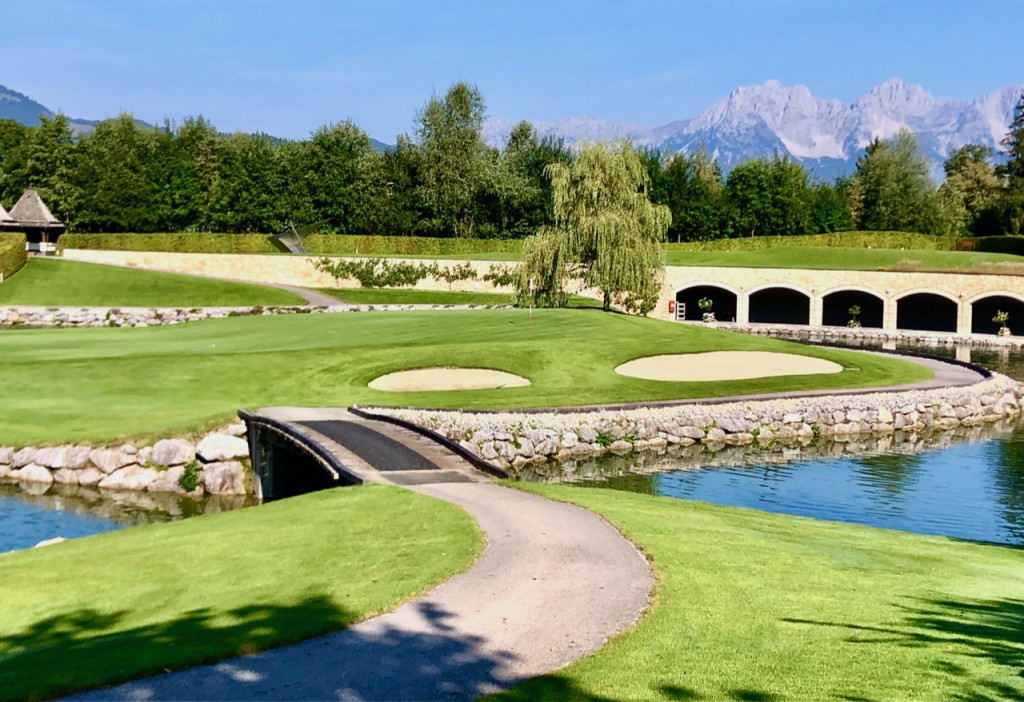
(725,365)
(424,379)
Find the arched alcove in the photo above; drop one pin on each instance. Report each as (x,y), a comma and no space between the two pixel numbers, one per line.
(926,311)
(722,299)
(780,305)
(835,311)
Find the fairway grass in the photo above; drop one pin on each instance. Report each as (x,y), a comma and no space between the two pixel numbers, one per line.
(757,606)
(122,605)
(101,384)
(57,283)
(413,296)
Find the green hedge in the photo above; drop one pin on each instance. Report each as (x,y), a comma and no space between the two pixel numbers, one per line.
(179,243)
(994,244)
(407,245)
(858,240)
(263,243)
(12,253)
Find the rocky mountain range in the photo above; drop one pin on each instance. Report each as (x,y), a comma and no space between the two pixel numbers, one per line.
(826,135)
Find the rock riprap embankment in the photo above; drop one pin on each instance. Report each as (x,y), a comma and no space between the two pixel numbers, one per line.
(159,316)
(215,465)
(515,439)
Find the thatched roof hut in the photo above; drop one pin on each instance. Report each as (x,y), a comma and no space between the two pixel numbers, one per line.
(4,217)
(31,215)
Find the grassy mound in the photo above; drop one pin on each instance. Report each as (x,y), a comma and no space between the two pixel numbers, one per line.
(756,606)
(55,283)
(126,604)
(100,384)
(854,259)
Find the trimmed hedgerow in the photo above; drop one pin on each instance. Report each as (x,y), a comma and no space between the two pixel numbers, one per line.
(181,242)
(857,239)
(12,253)
(187,242)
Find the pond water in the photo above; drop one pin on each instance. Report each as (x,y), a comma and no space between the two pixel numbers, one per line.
(31,512)
(967,484)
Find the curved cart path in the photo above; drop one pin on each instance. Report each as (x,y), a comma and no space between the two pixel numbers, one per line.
(554,583)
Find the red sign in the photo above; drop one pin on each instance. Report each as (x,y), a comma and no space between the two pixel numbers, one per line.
(671,306)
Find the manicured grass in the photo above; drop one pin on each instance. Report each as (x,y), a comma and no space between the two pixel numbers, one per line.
(100,383)
(757,606)
(125,604)
(821,258)
(413,296)
(53,282)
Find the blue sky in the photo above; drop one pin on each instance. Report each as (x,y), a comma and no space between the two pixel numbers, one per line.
(287,68)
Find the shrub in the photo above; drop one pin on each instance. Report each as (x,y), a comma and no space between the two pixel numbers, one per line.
(12,253)
(859,240)
(189,479)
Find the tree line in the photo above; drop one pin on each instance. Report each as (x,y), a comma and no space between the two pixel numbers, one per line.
(443,180)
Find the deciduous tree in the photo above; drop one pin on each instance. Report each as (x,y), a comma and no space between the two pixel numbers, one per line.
(607,233)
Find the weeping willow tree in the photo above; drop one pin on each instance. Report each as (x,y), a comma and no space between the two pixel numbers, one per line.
(607,234)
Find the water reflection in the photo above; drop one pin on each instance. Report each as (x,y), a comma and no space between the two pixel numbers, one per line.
(32,512)
(967,483)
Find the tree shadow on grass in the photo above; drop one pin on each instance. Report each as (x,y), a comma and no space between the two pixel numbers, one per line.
(988,630)
(416,658)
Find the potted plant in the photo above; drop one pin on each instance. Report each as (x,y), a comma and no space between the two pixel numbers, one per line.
(705,304)
(1001,319)
(854,313)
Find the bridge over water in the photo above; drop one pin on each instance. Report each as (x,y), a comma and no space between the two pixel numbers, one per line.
(295,450)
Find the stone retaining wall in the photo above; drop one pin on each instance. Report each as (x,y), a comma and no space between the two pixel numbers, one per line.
(156,316)
(848,335)
(511,440)
(219,462)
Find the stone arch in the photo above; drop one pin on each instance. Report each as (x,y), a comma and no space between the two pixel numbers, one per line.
(723,298)
(836,303)
(985,305)
(926,310)
(780,303)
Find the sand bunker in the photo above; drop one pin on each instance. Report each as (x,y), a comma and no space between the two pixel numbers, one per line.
(423,379)
(725,365)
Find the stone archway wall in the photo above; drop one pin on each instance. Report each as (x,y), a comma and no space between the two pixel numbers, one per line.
(889,287)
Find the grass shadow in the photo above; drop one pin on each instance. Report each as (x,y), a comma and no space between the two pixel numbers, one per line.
(989,631)
(424,657)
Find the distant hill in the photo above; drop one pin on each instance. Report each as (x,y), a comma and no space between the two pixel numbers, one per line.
(826,135)
(25,110)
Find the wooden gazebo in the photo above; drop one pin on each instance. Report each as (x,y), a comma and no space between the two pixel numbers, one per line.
(31,216)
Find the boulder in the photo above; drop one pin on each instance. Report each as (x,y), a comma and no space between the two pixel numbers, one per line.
(588,434)
(220,447)
(620,447)
(129,450)
(237,429)
(690,432)
(526,447)
(66,476)
(109,460)
(488,452)
(77,457)
(129,478)
(6,454)
(50,457)
(172,452)
(227,478)
(23,457)
(885,415)
(33,473)
(167,481)
(90,476)
(715,434)
(568,440)
(733,425)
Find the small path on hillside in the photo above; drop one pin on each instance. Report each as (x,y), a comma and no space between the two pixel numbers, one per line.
(312,297)
(553,584)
